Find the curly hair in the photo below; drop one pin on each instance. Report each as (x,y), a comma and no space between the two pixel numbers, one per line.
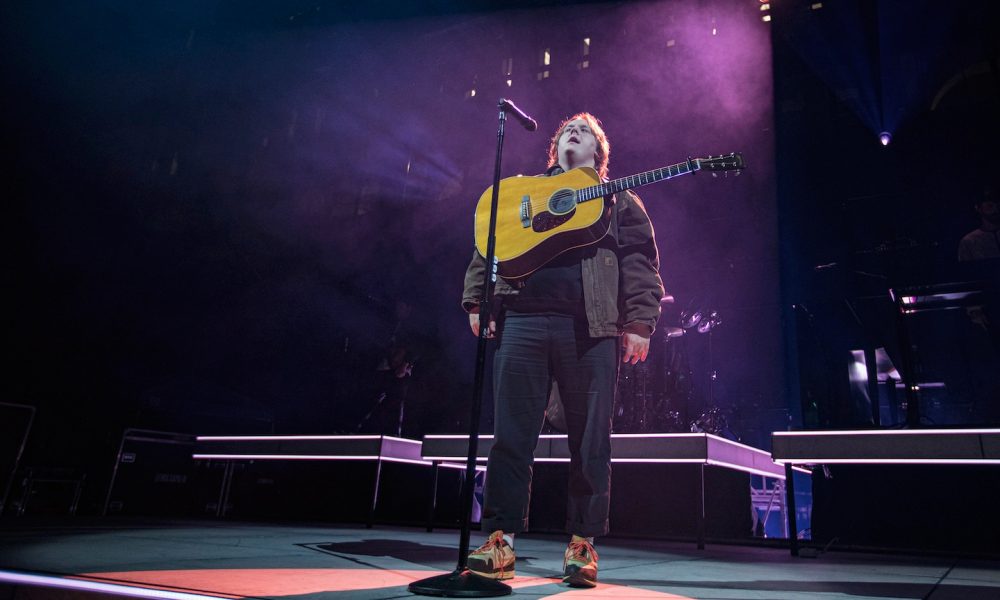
(603,151)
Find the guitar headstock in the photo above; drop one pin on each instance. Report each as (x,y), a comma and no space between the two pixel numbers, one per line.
(723,163)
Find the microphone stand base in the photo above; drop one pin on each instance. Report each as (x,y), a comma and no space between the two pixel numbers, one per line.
(459,584)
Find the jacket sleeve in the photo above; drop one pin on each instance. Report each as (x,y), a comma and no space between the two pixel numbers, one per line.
(641,287)
(473,292)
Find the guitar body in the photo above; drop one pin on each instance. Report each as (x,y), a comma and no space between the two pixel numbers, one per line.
(539,218)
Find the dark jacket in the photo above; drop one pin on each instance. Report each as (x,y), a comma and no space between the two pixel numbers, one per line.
(621,280)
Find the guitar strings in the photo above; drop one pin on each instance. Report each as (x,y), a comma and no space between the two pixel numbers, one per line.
(608,187)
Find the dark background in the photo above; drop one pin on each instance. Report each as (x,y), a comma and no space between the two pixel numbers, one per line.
(216,207)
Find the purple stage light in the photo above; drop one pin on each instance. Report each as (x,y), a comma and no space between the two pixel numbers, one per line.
(885,137)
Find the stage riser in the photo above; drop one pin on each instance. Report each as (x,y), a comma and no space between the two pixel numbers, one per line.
(647,500)
(926,508)
(908,444)
(157,478)
(333,491)
(653,500)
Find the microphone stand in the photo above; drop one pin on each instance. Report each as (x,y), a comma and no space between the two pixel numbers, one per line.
(461,582)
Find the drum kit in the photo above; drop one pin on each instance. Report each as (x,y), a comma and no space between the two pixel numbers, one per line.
(659,394)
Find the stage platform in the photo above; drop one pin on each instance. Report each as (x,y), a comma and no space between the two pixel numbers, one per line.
(652,453)
(649,448)
(891,451)
(213,559)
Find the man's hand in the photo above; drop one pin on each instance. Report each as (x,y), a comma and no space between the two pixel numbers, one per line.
(474,324)
(635,347)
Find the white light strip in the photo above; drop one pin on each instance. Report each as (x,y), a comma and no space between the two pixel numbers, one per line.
(625,436)
(463,467)
(283,438)
(399,439)
(742,447)
(709,461)
(409,461)
(296,438)
(306,457)
(657,435)
(566,459)
(452,436)
(94,586)
(888,432)
(658,460)
(890,461)
(484,458)
(750,470)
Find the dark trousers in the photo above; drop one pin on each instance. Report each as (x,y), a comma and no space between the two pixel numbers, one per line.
(533,350)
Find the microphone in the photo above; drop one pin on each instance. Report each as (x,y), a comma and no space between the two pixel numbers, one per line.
(529,123)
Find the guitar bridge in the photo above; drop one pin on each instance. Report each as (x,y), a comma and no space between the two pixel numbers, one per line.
(526,211)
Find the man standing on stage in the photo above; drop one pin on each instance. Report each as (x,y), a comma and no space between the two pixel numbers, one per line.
(565,322)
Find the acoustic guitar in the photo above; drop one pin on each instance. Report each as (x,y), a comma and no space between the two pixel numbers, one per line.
(539,218)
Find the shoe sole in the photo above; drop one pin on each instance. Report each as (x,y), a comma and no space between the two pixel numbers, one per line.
(501,576)
(578,579)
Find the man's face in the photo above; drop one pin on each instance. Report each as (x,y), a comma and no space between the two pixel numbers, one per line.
(577,144)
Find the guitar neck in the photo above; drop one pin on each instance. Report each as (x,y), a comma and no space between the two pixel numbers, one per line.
(633,181)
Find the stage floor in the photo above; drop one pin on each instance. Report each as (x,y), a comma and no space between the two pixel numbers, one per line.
(247,560)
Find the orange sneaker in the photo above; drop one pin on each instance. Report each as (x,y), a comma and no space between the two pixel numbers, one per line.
(494,559)
(580,563)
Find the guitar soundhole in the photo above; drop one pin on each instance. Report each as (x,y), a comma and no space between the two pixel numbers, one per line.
(562,207)
(562,202)
(546,221)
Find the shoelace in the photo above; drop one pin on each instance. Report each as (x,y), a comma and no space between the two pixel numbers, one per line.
(582,549)
(494,544)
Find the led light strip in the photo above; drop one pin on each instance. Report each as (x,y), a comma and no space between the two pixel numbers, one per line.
(709,461)
(412,461)
(743,447)
(890,461)
(95,586)
(750,470)
(887,432)
(292,438)
(659,435)
(449,465)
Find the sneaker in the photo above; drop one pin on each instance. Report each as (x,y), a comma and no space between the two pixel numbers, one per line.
(494,559)
(580,563)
